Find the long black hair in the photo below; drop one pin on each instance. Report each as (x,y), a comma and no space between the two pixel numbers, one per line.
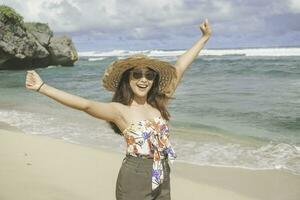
(124,95)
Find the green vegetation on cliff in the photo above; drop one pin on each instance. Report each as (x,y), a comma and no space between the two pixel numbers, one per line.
(9,14)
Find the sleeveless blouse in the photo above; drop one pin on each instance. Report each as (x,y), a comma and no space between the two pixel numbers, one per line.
(149,139)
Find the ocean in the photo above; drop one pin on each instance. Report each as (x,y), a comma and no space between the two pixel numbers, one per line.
(233,107)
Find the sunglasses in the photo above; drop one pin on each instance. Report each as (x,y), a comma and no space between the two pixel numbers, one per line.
(137,74)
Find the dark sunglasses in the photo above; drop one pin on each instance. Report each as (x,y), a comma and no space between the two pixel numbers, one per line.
(137,74)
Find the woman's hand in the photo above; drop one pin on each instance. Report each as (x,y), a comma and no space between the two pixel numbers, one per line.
(33,80)
(205,28)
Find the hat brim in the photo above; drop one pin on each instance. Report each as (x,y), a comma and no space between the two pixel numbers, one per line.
(114,71)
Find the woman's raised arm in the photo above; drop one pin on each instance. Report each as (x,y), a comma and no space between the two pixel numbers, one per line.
(189,56)
(101,110)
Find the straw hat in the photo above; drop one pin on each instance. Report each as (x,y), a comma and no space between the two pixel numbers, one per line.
(114,71)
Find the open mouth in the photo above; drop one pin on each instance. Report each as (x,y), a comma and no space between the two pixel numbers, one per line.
(142,86)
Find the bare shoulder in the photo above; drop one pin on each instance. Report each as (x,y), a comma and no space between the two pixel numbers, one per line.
(121,108)
(109,111)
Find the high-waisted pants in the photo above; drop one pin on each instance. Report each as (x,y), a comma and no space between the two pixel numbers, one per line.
(134,180)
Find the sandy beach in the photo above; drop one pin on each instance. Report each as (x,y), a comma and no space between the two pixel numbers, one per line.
(34,167)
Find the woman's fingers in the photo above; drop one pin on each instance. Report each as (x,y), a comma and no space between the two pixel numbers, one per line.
(31,72)
(206,22)
(202,27)
(205,27)
(31,79)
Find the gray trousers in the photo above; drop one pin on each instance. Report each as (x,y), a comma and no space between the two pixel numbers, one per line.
(134,180)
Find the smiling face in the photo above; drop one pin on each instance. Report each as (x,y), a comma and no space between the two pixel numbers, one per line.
(141,85)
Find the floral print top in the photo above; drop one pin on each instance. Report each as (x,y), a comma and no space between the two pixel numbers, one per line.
(150,139)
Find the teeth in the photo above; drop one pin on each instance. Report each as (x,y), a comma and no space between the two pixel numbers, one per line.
(142,86)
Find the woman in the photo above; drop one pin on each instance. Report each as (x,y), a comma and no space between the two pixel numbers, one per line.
(143,87)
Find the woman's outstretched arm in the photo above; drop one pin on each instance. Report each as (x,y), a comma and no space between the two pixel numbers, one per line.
(105,111)
(186,59)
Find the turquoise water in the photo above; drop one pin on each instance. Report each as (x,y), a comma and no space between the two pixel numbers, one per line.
(229,110)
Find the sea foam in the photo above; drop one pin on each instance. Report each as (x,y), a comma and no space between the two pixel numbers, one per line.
(206,52)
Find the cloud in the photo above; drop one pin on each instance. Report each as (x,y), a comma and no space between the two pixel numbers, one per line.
(112,15)
(294,5)
(162,21)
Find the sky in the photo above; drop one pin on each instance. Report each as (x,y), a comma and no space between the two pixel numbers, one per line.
(106,25)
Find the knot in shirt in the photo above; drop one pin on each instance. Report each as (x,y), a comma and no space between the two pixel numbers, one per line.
(149,139)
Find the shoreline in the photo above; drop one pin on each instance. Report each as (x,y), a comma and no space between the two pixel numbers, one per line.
(34,167)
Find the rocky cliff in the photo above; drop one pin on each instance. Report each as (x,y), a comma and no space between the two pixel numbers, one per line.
(31,45)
